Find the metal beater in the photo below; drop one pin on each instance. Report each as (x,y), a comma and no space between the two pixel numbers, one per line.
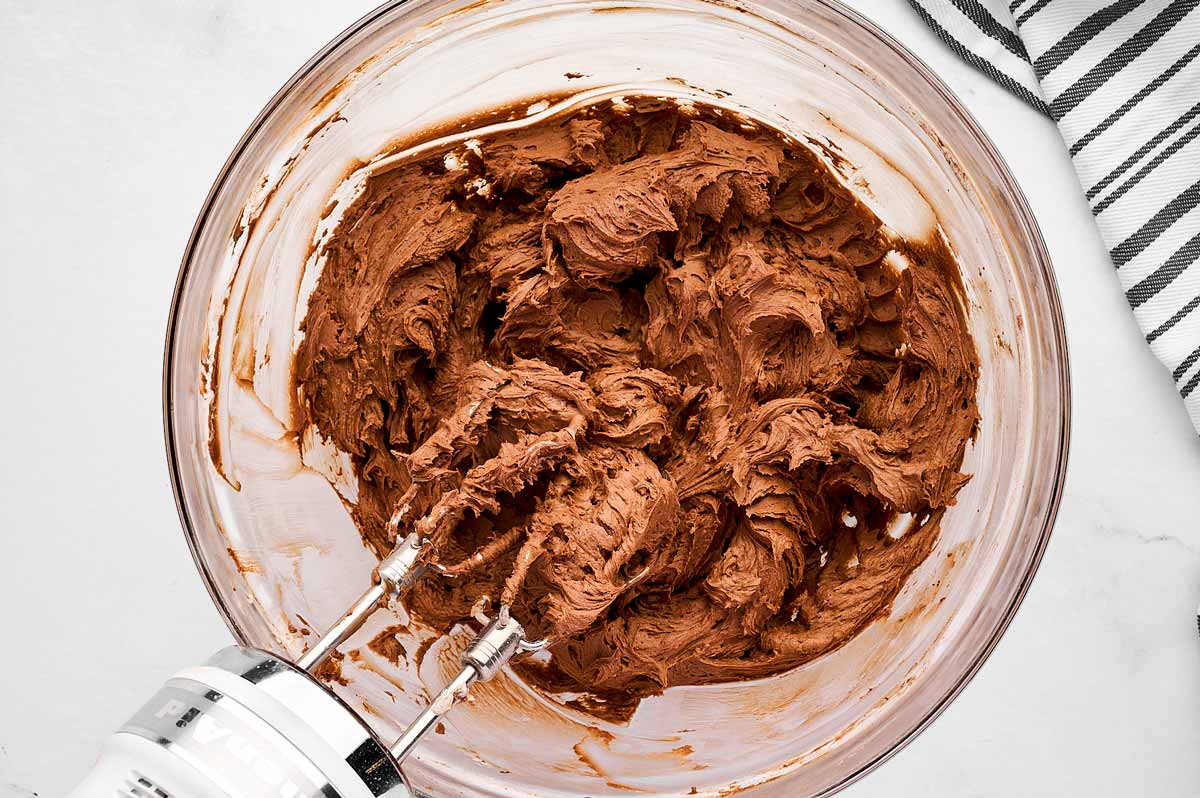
(502,638)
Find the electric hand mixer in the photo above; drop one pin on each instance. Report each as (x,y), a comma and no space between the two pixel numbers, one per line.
(248,723)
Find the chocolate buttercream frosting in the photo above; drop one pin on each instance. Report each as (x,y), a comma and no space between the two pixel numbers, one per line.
(654,378)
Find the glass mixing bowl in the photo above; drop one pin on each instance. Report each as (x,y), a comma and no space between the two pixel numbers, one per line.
(277,548)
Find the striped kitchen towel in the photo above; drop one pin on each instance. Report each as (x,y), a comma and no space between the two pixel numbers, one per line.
(1122,81)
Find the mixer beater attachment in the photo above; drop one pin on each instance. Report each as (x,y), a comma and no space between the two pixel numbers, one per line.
(502,638)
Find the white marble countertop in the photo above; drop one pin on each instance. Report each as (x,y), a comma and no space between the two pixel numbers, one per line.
(119,115)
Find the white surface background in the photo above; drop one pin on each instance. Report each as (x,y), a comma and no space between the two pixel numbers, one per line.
(118,116)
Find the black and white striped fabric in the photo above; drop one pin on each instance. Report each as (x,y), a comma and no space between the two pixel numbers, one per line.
(1122,80)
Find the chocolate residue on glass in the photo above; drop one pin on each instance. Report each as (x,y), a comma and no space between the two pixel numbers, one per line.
(651,376)
(387,645)
(330,670)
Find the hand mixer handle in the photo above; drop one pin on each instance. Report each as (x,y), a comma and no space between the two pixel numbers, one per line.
(245,725)
(133,767)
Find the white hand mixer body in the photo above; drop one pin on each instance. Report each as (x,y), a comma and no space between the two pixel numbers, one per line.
(249,724)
